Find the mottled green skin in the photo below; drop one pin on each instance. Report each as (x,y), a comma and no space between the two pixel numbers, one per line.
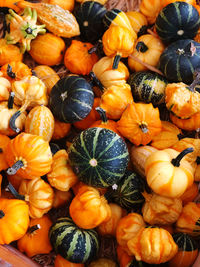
(104,147)
(185,242)
(73,243)
(148,87)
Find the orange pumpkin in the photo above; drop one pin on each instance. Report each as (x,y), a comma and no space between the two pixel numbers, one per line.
(9,52)
(61,262)
(190,194)
(15,180)
(61,198)
(67,5)
(189,124)
(150,9)
(5,88)
(139,123)
(4,141)
(138,21)
(123,258)
(15,70)
(61,129)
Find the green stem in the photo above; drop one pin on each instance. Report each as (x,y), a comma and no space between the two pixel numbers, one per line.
(96,80)
(141,47)
(13,120)
(10,73)
(2,214)
(176,161)
(15,167)
(195,81)
(116,62)
(14,192)
(11,100)
(102,114)
(33,228)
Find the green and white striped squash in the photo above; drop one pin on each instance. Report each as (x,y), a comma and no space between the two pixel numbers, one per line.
(73,243)
(177,21)
(99,157)
(179,61)
(148,87)
(71,99)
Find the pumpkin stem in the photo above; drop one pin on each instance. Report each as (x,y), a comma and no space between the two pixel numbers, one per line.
(15,167)
(96,80)
(95,47)
(143,126)
(195,81)
(116,62)
(2,214)
(10,73)
(102,114)
(33,228)
(11,100)
(14,192)
(141,47)
(176,161)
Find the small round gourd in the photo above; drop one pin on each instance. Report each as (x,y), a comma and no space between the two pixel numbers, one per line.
(73,243)
(71,99)
(99,157)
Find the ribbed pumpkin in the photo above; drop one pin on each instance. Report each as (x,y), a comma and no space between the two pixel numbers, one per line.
(9,52)
(150,9)
(123,257)
(61,262)
(61,129)
(99,157)
(148,87)
(190,194)
(67,5)
(73,243)
(138,22)
(4,141)
(71,99)
(40,121)
(15,70)
(5,88)
(190,124)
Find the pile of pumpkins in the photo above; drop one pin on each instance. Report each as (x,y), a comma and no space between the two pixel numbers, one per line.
(92,138)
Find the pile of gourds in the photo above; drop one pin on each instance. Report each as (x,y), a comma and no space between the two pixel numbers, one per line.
(94,140)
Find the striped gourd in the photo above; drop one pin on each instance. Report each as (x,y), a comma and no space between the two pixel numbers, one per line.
(177,21)
(99,157)
(71,99)
(128,192)
(148,87)
(90,19)
(179,60)
(73,243)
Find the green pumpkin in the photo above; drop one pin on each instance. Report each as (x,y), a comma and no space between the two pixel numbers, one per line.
(179,61)
(99,157)
(73,243)
(148,87)
(71,99)
(177,21)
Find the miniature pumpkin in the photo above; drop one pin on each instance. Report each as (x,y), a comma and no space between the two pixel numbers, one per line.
(139,123)
(138,22)
(189,124)
(103,262)
(61,262)
(15,180)
(14,219)
(79,57)
(15,70)
(168,173)
(190,194)
(47,75)
(127,228)
(88,209)
(153,245)
(123,257)
(28,155)
(4,141)
(36,240)
(188,221)
(147,49)
(5,88)
(161,210)
(40,121)
(167,2)
(9,52)
(197,170)
(67,5)
(61,198)
(61,129)
(124,45)
(61,175)
(150,9)
(48,49)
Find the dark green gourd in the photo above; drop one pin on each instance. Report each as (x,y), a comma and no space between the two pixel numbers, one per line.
(176,21)
(148,87)
(73,243)
(179,61)
(89,16)
(71,99)
(99,157)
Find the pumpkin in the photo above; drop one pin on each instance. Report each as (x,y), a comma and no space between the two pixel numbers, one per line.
(103,262)
(190,194)
(148,87)
(188,221)
(150,9)
(48,49)
(177,21)
(71,99)
(9,52)
(57,20)
(168,137)
(115,99)
(47,75)
(123,257)
(67,5)
(4,141)
(61,262)
(61,198)
(187,250)
(168,173)
(61,129)
(197,171)
(15,180)
(108,76)
(127,228)
(128,191)
(161,210)
(22,28)
(143,245)
(89,16)
(108,227)
(37,233)
(79,57)
(61,175)
(88,208)
(28,155)
(40,121)
(5,88)
(15,70)
(167,2)
(190,124)
(98,157)
(147,49)
(124,45)
(179,61)
(138,22)
(139,123)
(73,243)
(14,219)
(139,156)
